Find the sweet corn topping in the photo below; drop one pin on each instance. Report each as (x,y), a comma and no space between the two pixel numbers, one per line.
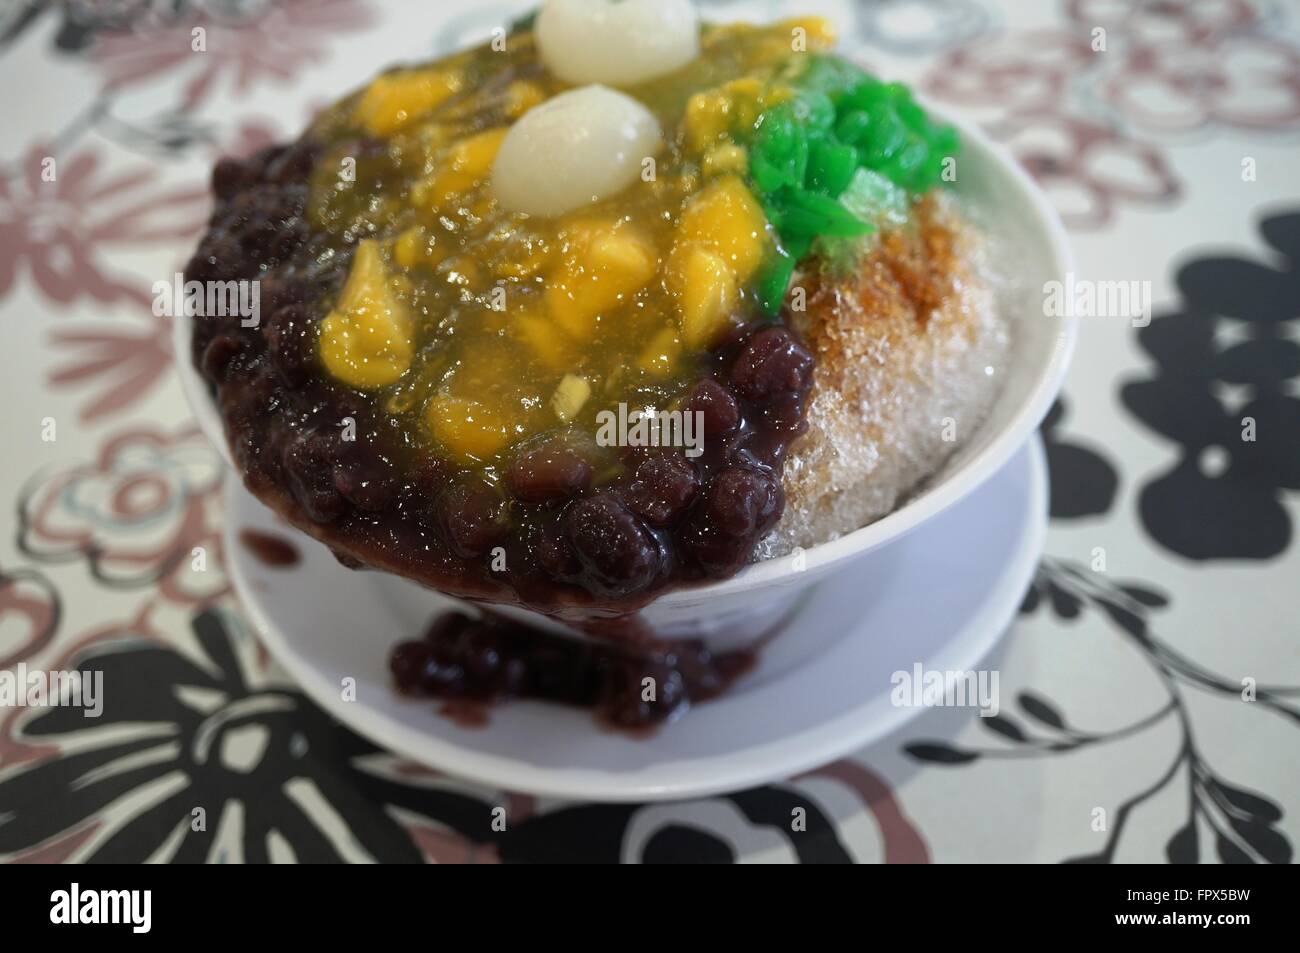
(480,328)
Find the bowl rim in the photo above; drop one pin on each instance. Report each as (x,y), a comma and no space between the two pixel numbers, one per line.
(930,501)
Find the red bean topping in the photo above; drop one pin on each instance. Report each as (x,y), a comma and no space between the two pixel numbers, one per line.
(771,363)
(289,343)
(221,350)
(474,519)
(721,415)
(554,552)
(740,506)
(617,554)
(662,486)
(743,502)
(309,464)
(666,519)
(548,474)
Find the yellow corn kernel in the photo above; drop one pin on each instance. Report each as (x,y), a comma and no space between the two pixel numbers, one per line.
(522,259)
(482,366)
(521,96)
(518,253)
(706,294)
(622,256)
(713,114)
(707,119)
(539,336)
(408,247)
(366,341)
(747,100)
(726,217)
(464,271)
(725,158)
(570,394)
(471,430)
(364,355)
(818,33)
(475,155)
(464,166)
(396,99)
(418,247)
(658,356)
(417,142)
(604,265)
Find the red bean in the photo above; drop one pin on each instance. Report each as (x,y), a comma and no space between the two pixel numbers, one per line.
(221,350)
(473,518)
(548,474)
(740,506)
(661,487)
(772,363)
(309,462)
(407,664)
(617,554)
(718,407)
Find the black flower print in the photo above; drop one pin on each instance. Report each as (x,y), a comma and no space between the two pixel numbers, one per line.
(192,741)
(183,730)
(1083,481)
(1222,391)
(611,833)
(1242,825)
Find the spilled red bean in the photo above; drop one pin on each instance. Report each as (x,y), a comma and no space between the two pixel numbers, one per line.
(490,658)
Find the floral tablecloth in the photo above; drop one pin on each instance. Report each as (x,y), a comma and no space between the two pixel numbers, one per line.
(1151,686)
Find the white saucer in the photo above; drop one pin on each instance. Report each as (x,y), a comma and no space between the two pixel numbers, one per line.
(940,596)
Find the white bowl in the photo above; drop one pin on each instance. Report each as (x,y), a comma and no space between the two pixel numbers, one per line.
(822,690)
(1026,231)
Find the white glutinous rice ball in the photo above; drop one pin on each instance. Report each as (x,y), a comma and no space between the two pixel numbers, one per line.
(580,147)
(621,43)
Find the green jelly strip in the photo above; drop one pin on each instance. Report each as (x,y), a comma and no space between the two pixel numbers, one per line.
(804,153)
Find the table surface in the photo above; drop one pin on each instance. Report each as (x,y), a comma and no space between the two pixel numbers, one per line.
(1150,699)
